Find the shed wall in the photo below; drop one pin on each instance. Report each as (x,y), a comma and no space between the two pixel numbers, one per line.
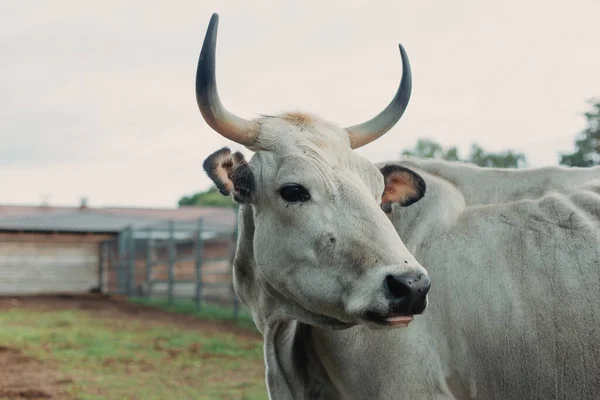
(48,263)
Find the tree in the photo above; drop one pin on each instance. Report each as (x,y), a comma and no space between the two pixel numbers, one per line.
(429,149)
(210,198)
(505,159)
(587,142)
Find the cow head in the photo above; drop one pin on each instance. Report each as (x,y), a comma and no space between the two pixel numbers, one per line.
(315,239)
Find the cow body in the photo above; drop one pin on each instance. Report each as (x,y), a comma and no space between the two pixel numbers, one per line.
(515,259)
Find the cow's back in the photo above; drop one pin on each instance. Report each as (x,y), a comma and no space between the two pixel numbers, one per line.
(515,298)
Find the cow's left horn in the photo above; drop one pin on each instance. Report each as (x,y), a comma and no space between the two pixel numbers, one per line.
(376,127)
(227,124)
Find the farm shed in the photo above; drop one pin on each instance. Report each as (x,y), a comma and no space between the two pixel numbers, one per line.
(58,249)
(32,262)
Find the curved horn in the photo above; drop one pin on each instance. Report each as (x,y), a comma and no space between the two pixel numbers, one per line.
(222,121)
(376,127)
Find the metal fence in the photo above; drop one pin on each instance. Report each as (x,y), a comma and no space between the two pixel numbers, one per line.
(172,260)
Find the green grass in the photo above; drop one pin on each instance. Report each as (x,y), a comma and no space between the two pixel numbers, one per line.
(207,311)
(123,358)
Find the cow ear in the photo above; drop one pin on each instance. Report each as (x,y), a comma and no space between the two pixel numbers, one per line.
(231,174)
(402,186)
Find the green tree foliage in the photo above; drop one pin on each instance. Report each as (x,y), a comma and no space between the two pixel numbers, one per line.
(208,198)
(587,143)
(429,149)
(505,159)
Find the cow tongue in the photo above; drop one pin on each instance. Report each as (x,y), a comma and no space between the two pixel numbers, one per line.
(399,319)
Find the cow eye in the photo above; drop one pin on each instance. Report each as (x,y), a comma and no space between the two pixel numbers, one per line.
(294,193)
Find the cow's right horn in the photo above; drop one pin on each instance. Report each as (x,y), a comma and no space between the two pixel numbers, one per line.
(376,127)
(222,121)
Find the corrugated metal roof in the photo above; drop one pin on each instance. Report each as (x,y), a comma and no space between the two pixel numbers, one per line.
(19,210)
(114,220)
(179,213)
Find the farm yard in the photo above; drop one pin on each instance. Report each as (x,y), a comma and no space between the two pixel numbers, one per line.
(99,347)
(406,199)
(146,307)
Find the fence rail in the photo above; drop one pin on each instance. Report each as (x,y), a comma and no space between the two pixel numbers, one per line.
(171,260)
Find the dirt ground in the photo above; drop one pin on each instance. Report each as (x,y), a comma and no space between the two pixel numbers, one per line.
(23,377)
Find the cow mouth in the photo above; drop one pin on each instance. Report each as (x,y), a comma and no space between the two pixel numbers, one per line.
(396,320)
(399,320)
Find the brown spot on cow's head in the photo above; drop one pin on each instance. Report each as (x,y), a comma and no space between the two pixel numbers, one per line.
(300,119)
(402,186)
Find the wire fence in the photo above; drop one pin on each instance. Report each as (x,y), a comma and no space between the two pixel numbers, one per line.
(170,261)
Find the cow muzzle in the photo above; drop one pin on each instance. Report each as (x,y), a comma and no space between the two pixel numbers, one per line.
(407,296)
(408,293)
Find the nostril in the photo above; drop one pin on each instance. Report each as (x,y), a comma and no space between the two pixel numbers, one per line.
(398,286)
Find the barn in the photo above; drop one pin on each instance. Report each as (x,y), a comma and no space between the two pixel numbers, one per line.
(49,250)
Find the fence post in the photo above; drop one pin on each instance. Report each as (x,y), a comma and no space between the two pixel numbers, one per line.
(131,262)
(236,300)
(171,259)
(102,260)
(198,263)
(122,273)
(149,263)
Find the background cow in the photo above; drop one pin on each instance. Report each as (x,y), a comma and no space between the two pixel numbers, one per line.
(514,308)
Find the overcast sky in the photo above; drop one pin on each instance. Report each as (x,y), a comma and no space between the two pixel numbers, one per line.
(97,98)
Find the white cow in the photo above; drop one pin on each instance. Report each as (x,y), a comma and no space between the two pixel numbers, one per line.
(341,300)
